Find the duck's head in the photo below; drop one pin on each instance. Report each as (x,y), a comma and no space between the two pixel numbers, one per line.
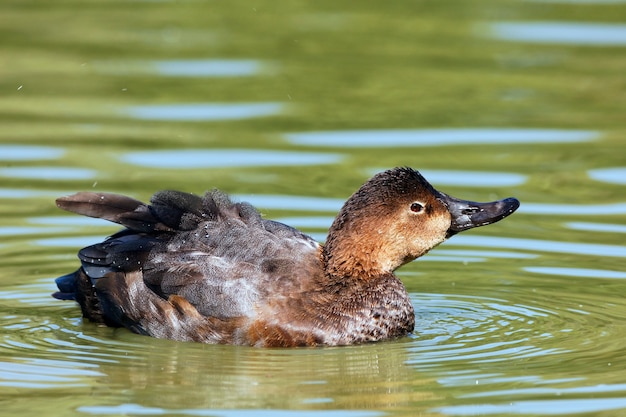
(396,217)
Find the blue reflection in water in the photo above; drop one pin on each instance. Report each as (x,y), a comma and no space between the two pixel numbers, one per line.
(136,409)
(184,67)
(208,67)
(68,221)
(284,202)
(537,245)
(48,173)
(439,137)
(615,175)
(309,222)
(220,158)
(29,153)
(481,253)
(72,242)
(576,272)
(573,209)
(22,193)
(28,230)
(597,227)
(203,111)
(565,407)
(591,34)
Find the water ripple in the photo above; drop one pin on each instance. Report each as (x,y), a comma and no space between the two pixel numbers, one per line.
(226,158)
(48,173)
(535,245)
(41,373)
(203,111)
(539,407)
(573,209)
(28,153)
(184,67)
(136,409)
(597,227)
(589,34)
(25,193)
(439,137)
(576,272)
(615,175)
(476,329)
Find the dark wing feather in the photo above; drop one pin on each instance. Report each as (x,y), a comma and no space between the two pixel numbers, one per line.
(124,251)
(176,209)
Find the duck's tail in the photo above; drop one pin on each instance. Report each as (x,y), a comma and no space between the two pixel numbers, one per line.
(67,287)
(78,286)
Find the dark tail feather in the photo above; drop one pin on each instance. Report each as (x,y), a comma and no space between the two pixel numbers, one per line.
(113,207)
(77,286)
(67,287)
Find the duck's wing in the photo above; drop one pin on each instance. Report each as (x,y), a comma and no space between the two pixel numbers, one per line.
(232,261)
(183,253)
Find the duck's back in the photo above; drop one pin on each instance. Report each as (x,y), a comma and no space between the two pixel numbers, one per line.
(185,261)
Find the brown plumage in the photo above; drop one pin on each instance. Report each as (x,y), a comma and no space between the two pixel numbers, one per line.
(210,270)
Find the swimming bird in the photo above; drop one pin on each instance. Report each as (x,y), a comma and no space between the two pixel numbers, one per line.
(208,269)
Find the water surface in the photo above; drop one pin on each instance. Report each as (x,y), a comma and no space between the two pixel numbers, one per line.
(292,106)
(569,33)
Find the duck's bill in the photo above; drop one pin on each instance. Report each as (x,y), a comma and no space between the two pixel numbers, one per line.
(469,214)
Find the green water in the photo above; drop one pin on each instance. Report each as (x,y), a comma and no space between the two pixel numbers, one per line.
(292,105)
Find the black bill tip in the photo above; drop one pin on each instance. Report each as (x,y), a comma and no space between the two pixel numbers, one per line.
(469,214)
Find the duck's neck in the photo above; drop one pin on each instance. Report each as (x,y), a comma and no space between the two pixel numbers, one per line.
(358,257)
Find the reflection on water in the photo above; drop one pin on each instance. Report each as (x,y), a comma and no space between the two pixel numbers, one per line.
(473,255)
(439,137)
(48,173)
(300,203)
(539,407)
(597,227)
(72,242)
(203,111)
(25,230)
(208,68)
(221,158)
(184,67)
(13,193)
(470,324)
(136,409)
(573,209)
(611,175)
(312,222)
(591,249)
(576,272)
(69,220)
(29,153)
(590,34)
(42,373)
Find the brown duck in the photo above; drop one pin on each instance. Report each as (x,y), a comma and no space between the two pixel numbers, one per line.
(210,270)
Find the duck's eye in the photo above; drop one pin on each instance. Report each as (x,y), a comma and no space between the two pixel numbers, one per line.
(417,207)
